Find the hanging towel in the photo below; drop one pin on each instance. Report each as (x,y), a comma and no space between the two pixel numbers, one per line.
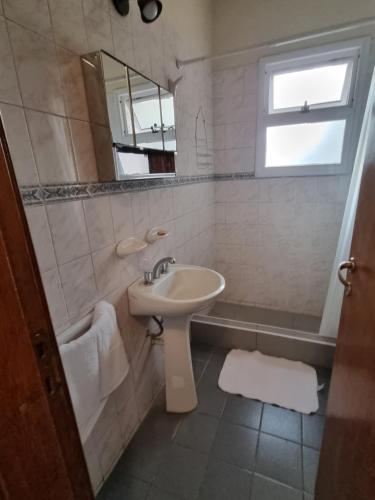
(94,364)
(113,363)
(81,365)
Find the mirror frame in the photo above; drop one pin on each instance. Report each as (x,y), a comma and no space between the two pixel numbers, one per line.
(96,93)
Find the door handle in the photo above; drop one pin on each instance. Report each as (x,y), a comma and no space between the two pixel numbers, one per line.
(349,265)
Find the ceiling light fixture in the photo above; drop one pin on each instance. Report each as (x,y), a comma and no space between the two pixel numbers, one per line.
(150,9)
(122,7)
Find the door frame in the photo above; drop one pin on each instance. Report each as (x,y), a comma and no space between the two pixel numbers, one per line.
(40,448)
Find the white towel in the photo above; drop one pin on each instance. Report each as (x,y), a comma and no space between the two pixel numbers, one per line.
(113,363)
(94,364)
(81,365)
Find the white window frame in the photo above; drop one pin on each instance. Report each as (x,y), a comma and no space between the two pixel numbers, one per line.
(357,51)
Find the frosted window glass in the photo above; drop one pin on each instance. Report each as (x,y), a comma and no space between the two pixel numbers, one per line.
(324,84)
(301,144)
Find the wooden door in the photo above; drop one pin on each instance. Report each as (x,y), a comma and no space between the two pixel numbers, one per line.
(347,462)
(40,452)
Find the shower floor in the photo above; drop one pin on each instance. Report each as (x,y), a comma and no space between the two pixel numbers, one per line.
(268,317)
(229,448)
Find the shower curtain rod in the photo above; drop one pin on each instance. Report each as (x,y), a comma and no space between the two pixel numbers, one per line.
(281,42)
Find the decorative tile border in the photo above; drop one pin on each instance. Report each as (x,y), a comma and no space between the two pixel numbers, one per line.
(37,195)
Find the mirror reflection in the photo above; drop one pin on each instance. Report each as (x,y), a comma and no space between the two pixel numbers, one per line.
(146,111)
(118,101)
(168,119)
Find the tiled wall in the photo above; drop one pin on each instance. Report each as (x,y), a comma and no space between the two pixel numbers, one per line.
(275,238)
(75,245)
(42,103)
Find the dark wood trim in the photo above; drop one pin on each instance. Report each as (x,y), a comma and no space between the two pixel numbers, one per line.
(40,451)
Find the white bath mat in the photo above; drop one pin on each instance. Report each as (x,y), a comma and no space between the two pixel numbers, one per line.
(290,384)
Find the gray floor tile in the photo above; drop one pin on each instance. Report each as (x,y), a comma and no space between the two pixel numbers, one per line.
(213,370)
(198,367)
(324,374)
(266,489)
(197,431)
(312,426)
(201,351)
(143,459)
(158,494)
(281,319)
(181,472)
(306,496)
(323,399)
(280,459)
(219,354)
(310,469)
(145,451)
(236,311)
(306,323)
(118,487)
(282,423)
(236,445)
(101,494)
(243,411)
(211,399)
(159,422)
(225,482)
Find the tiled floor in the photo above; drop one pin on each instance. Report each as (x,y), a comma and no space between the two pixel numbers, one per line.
(229,448)
(282,319)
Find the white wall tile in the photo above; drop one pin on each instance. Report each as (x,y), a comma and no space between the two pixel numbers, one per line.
(19,144)
(50,138)
(68,24)
(34,14)
(8,79)
(79,286)
(68,230)
(55,299)
(140,211)
(38,70)
(122,216)
(41,236)
(99,222)
(107,267)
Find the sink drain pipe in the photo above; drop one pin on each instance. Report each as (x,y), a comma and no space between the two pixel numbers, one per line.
(159,322)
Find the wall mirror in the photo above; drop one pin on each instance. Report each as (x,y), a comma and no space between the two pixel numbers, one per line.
(146,112)
(169,120)
(139,116)
(118,101)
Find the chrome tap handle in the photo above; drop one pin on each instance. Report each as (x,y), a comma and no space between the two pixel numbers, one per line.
(164,268)
(148,278)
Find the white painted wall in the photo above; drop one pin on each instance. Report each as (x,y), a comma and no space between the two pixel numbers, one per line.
(240,23)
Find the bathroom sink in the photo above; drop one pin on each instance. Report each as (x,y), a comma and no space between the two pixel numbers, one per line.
(175,296)
(184,290)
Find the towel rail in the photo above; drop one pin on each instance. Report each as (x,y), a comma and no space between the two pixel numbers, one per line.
(76,330)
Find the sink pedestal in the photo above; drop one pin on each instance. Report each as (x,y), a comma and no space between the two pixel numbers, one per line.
(181,395)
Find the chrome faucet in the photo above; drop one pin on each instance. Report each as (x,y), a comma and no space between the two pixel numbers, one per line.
(161,267)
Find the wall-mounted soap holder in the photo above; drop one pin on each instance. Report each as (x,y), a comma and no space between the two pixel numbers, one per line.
(129,246)
(156,233)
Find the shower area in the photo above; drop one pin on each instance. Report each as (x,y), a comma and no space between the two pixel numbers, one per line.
(279,239)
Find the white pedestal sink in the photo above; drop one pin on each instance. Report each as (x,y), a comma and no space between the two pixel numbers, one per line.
(184,290)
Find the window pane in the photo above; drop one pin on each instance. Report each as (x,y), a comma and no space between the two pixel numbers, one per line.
(145,112)
(324,84)
(305,144)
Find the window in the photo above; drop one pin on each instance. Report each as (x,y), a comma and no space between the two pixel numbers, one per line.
(145,110)
(309,103)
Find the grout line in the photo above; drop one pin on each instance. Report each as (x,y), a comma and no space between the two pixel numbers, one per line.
(258,439)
